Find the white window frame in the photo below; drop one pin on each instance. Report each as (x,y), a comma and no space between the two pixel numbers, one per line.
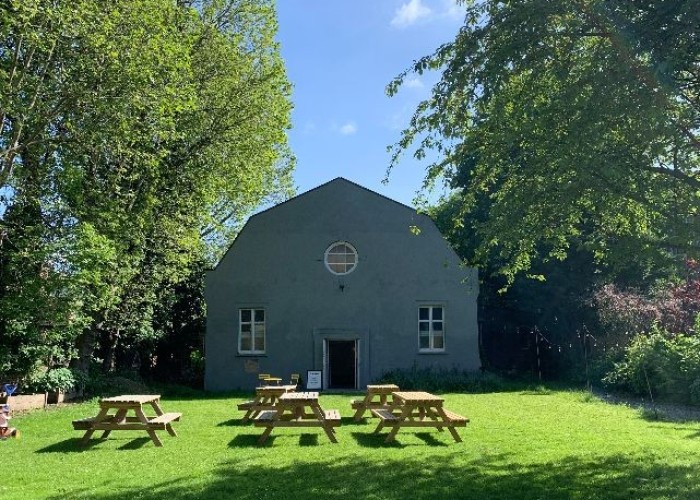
(328,251)
(431,328)
(253,333)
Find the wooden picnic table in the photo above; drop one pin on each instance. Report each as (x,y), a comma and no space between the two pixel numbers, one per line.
(298,409)
(377,397)
(121,421)
(266,398)
(418,409)
(267,379)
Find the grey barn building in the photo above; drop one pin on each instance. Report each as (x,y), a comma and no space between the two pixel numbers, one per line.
(343,280)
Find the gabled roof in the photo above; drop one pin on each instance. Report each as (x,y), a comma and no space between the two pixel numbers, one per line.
(334,181)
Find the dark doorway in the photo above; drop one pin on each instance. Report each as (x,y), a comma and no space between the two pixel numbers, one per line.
(342,364)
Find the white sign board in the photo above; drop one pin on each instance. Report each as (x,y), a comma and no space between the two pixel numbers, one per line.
(314,379)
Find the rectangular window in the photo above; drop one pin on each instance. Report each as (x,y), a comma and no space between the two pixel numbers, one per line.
(251,331)
(431,328)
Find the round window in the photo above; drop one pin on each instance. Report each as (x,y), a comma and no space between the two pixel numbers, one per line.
(341,258)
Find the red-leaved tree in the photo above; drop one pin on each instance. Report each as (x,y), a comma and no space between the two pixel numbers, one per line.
(674,308)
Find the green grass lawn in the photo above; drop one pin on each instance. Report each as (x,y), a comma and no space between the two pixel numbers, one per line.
(530,445)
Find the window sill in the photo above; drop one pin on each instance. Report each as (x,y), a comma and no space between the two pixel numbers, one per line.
(433,352)
(247,355)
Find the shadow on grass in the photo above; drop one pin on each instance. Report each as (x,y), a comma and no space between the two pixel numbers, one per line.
(308,440)
(430,440)
(74,445)
(234,422)
(371,440)
(71,445)
(251,440)
(374,440)
(135,444)
(487,477)
(248,440)
(351,421)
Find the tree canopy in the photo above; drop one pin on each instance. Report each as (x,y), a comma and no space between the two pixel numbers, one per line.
(135,136)
(567,124)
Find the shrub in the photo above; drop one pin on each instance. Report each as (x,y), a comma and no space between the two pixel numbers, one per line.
(667,365)
(95,382)
(695,392)
(113,385)
(53,380)
(674,306)
(443,380)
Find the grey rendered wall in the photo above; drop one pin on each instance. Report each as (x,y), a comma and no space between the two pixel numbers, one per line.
(277,263)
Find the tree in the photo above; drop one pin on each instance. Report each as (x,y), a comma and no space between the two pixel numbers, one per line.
(135,137)
(567,123)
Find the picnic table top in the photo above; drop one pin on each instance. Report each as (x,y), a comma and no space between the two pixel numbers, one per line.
(382,388)
(132,398)
(274,388)
(299,396)
(417,397)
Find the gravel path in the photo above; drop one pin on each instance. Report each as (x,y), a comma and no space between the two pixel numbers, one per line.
(667,411)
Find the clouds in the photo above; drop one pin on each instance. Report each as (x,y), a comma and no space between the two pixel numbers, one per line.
(454,11)
(410,13)
(415,11)
(309,128)
(413,83)
(348,128)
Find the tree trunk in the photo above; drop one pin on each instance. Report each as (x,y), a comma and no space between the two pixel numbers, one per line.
(110,361)
(86,349)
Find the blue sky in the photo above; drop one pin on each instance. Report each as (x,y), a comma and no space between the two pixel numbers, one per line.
(340,54)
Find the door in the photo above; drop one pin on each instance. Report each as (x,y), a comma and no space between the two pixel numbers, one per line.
(342,364)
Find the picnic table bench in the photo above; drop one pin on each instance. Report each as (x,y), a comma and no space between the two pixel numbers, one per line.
(298,409)
(377,397)
(418,409)
(120,421)
(265,399)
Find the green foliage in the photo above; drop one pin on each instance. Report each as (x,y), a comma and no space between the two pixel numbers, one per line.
(96,383)
(567,126)
(180,322)
(652,414)
(135,137)
(667,365)
(554,312)
(443,380)
(56,379)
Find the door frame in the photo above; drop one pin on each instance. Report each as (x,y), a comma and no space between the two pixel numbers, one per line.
(360,335)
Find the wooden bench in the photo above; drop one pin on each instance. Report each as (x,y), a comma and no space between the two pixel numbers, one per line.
(332,417)
(386,416)
(246,405)
(83,424)
(357,404)
(264,417)
(161,421)
(456,419)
